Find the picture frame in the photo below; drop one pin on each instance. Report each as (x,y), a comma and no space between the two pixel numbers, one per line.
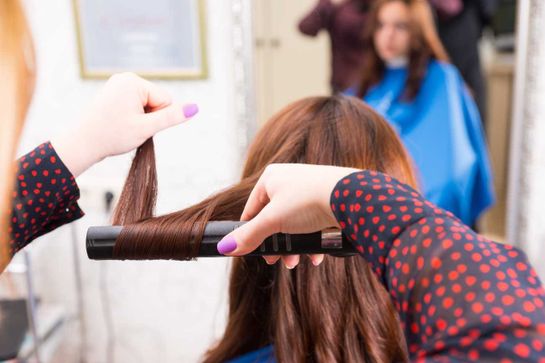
(166,41)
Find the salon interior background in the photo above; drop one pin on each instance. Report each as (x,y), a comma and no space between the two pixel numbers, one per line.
(171,312)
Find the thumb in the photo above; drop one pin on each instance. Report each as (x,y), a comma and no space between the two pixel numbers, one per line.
(169,116)
(249,236)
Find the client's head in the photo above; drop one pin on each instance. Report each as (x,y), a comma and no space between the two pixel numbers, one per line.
(335,312)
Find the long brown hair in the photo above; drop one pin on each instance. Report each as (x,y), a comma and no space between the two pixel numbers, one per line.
(16,87)
(425,45)
(335,312)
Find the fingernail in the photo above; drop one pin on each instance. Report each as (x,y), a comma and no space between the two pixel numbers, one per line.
(317,261)
(226,245)
(190,110)
(289,267)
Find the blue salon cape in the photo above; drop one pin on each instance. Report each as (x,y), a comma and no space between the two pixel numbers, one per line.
(263,355)
(441,129)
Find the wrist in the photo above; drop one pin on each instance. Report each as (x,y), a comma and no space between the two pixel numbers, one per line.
(76,152)
(337,177)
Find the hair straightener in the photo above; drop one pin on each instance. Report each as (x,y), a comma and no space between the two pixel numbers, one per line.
(101,242)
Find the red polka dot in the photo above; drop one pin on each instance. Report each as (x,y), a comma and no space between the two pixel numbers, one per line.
(528,306)
(497,311)
(456,288)
(447,244)
(502,286)
(522,350)
(470,280)
(455,256)
(491,345)
(507,300)
(489,297)
(486,318)
(461,268)
(426,242)
(473,354)
(448,302)
(420,262)
(477,307)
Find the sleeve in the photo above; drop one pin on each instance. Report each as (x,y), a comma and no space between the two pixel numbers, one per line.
(319,18)
(447,9)
(45,197)
(459,296)
(487,9)
(351,24)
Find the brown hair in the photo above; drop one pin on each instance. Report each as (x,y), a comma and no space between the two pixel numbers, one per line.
(336,312)
(425,45)
(17,75)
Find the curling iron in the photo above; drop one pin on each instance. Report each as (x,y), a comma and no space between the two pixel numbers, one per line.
(101,242)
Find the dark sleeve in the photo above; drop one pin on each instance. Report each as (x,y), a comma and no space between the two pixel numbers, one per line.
(447,9)
(45,196)
(319,18)
(460,297)
(487,9)
(350,23)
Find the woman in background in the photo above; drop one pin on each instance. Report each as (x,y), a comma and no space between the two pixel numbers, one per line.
(407,79)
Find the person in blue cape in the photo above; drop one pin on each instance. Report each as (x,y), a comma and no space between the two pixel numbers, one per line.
(409,81)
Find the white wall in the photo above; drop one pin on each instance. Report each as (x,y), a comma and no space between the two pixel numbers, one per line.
(162,311)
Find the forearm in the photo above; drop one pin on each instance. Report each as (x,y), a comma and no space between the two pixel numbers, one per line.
(318,18)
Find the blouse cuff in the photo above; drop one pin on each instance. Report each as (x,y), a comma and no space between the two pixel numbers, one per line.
(45,196)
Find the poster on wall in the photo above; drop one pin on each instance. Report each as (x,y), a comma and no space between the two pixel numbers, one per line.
(159,39)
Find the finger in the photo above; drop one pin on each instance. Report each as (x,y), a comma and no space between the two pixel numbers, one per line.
(154,97)
(290,261)
(166,117)
(249,236)
(257,200)
(271,260)
(316,259)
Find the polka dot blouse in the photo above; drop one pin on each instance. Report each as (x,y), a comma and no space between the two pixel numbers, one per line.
(460,297)
(45,196)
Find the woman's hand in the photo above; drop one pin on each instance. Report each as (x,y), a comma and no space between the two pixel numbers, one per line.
(117,122)
(288,198)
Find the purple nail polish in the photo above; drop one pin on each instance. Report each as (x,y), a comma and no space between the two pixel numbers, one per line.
(190,110)
(226,245)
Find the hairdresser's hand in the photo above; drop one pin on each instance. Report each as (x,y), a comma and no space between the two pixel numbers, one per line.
(288,198)
(117,122)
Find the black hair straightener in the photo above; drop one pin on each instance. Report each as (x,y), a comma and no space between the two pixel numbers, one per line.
(101,242)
